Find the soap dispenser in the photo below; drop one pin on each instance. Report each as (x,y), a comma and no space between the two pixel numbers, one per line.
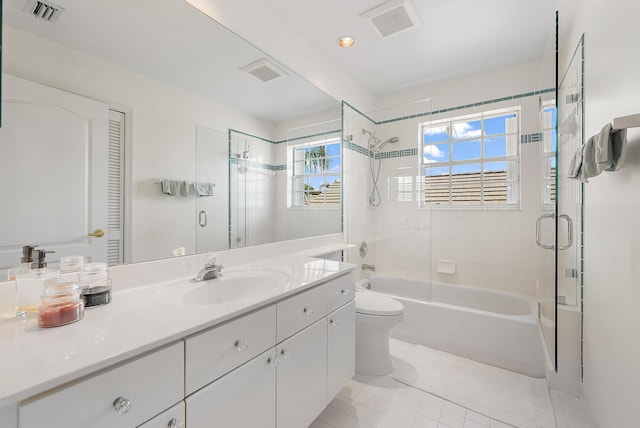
(25,262)
(31,284)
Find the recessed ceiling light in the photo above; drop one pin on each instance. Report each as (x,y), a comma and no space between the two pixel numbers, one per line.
(346,41)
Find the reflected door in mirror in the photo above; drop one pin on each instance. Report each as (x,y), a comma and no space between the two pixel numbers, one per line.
(54,175)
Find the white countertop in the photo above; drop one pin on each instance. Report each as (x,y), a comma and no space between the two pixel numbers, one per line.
(139,319)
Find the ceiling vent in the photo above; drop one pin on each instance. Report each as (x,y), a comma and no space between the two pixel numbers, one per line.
(45,11)
(393,17)
(264,70)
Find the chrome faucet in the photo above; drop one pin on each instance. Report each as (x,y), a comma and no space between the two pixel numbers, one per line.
(210,270)
(365,266)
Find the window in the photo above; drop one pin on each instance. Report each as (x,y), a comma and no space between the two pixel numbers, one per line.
(315,174)
(472,161)
(549,158)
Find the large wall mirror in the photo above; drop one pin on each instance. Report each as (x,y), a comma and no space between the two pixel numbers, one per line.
(151,123)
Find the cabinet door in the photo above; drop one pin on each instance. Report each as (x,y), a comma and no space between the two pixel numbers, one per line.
(341,348)
(124,396)
(170,418)
(302,376)
(243,398)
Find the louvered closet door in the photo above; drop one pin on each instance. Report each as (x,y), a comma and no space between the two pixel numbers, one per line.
(115,209)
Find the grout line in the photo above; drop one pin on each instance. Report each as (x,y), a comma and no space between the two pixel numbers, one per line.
(458,404)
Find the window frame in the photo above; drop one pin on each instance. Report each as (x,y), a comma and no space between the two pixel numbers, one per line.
(481,160)
(548,132)
(292,175)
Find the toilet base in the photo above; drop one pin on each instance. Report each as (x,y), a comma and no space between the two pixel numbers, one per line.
(373,357)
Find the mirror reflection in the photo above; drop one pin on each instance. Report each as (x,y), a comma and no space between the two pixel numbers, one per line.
(168,141)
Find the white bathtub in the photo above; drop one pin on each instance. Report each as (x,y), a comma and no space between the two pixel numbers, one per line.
(492,327)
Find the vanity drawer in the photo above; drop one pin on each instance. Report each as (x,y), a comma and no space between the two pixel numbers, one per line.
(341,291)
(214,353)
(170,418)
(147,386)
(301,310)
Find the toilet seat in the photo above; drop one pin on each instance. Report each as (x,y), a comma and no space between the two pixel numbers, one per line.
(368,303)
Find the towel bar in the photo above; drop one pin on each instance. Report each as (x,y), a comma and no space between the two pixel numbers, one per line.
(624,122)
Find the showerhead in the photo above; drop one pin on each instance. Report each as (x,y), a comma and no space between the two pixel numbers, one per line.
(391,140)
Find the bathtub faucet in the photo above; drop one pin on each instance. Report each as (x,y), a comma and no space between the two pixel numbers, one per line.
(365,266)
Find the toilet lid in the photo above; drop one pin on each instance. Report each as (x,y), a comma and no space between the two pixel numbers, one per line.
(375,304)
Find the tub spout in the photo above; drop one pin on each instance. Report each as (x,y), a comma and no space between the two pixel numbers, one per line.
(372,268)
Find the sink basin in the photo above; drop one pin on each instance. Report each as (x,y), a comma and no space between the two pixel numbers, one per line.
(232,286)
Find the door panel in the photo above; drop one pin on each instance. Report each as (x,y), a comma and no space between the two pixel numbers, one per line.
(54,174)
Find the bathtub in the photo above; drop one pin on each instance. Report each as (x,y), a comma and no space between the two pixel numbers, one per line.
(491,327)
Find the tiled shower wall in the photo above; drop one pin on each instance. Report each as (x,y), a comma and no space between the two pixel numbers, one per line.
(491,248)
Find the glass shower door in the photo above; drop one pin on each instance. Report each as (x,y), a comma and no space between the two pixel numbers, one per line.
(547,221)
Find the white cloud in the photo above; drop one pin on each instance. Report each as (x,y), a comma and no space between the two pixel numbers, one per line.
(465,130)
(433,151)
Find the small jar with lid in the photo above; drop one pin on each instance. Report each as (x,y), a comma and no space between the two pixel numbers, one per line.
(61,304)
(95,284)
(71,264)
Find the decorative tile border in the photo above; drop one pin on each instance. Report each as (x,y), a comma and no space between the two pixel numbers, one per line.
(450,109)
(320,134)
(257,165)
(531,138)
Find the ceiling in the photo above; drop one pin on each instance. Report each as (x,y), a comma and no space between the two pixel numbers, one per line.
(170,41)
(457,38)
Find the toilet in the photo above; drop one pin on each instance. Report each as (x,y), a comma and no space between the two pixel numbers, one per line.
(376,315)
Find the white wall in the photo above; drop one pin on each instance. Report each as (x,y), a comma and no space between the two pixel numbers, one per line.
(612,208)
(163,132)
(492,249)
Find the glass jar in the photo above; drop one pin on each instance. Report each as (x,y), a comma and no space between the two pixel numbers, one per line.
(95,284)
(61,304)
(71,264)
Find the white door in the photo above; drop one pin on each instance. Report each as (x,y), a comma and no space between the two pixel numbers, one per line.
(53,146)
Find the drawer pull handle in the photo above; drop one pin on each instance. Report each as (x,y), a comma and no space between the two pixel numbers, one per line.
(286,354)
(308,311)
(273,362)
(334,322)
(174,423)
(241,345)
(121,405)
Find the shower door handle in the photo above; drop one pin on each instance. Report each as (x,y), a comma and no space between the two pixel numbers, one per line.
(569,232)
(538,231)
(202,218)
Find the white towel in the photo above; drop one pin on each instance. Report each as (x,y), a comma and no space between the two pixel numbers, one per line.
(605,151)
(184,188)
(611,148)
(165,185)
(204,189)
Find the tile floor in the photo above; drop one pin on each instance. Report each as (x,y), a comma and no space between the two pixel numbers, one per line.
(383,402)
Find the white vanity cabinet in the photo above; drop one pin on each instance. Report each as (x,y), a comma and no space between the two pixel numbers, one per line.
(170,418)
(9,416)
(277,366)
(246,397)
(288,385)
(125,396)
(341,348)
(302,376)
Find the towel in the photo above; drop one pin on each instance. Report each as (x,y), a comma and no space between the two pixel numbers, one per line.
(204,189)
(165,185)
(605,151)
(611,148)
(184,188)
